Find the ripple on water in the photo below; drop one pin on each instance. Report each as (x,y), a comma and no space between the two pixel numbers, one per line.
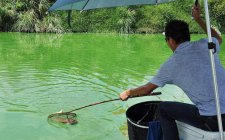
(41,74)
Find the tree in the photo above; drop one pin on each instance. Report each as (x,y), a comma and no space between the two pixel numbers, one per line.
(127,18)
(218,13)
(32,16)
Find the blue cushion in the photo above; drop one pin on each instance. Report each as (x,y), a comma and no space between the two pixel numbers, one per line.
(155,131)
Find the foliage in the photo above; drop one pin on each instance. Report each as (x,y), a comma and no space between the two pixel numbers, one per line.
(127,18)
(101,20)
(28,16)
(218,13)
(32,16)
(7,16)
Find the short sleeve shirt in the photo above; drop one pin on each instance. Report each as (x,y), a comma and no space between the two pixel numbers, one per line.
(190,69)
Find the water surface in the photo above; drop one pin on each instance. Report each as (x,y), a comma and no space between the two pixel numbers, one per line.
(44,73)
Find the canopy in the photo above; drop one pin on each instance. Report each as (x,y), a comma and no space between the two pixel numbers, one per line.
(94,4)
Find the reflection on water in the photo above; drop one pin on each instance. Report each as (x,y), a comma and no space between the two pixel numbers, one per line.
(44,73)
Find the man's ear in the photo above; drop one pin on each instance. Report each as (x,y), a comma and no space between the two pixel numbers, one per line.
(172,42)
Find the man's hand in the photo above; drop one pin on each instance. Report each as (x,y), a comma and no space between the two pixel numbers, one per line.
(125,95)
(139,91)
(196,14)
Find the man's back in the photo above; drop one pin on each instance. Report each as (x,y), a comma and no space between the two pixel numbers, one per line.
(191,70)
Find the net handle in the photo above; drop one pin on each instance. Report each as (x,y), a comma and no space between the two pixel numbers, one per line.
(97,103)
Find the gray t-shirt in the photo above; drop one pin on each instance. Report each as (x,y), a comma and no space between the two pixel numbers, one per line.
(190,69)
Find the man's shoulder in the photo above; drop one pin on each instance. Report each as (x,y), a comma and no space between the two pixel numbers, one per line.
(200,41)
(204,43)
(205,40)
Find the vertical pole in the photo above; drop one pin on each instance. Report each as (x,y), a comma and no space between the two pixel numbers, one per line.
(213,71)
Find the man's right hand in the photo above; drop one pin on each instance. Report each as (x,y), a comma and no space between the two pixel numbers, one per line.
(125,95)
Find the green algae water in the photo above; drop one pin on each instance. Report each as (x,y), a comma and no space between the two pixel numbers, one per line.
(43,73)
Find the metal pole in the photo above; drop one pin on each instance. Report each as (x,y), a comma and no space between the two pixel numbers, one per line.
(213,71)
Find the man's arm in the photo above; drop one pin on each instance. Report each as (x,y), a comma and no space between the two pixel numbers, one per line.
(196,11)
(145,89)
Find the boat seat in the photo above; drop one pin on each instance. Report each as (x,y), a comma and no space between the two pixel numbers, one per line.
(188,132)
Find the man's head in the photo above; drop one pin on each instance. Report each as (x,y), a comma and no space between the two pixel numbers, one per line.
(178,31)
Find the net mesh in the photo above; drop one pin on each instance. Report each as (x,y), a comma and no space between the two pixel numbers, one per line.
(64,117)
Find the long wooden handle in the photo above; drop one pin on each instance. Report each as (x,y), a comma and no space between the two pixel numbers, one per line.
(97,103)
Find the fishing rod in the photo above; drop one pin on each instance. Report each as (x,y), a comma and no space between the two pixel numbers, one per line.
(69,117)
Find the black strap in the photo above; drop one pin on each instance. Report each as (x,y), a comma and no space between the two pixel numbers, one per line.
(212,45)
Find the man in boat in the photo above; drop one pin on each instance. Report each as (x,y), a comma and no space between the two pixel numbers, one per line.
(189,68)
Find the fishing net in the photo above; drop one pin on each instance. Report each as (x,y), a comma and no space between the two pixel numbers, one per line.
(70,118)
(63,117)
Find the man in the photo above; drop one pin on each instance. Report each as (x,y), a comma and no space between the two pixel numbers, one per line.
(189,68)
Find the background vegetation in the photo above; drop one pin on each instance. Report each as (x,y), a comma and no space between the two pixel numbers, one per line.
(32,16)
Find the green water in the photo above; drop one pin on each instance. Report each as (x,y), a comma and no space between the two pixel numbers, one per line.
(44,73)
